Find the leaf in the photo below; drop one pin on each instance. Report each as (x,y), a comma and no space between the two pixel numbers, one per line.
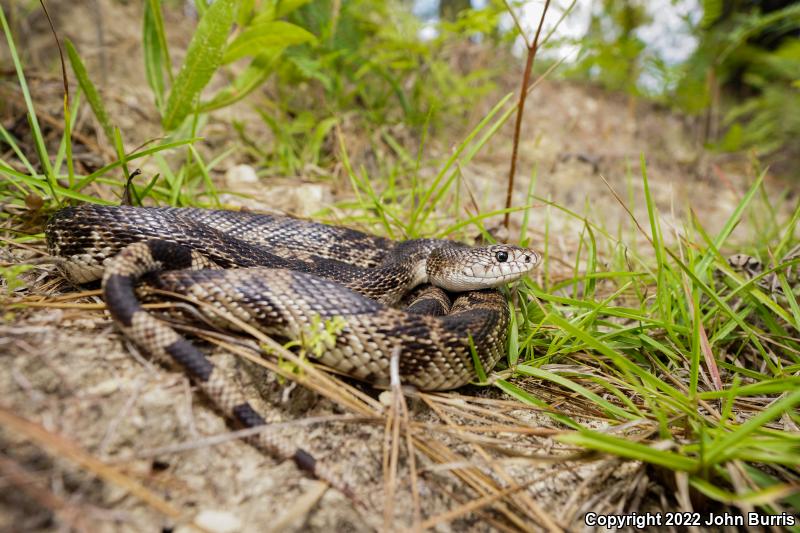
(154,55)
(311,68)
(287,6)
(244,12)
(252,78)
(201,6)
(476,361)
(712,10)
(202,59)
(37,183)
(274,34)
(89,89)
(317,138)
(513,338)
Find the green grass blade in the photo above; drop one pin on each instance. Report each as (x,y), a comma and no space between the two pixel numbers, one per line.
(662,295)
(423,209)
(789,295)
(623,447)
(119,146)
(88,88)
(730,441)
(65,145)
(522,395)
(476,361)
(513,338)
(730,224)
(579,389)
(35,182)
(161,36)
(12,143)
(38,138)
(156,57)
(212,190)
(130,157)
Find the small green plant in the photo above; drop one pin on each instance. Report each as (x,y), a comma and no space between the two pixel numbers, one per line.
(691,326)
(613,53)
(754,56)
(319,336)
(367,71)
(259,35)
(11,276)
(745,63)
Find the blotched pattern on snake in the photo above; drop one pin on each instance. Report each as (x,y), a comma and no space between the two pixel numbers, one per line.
(287,276)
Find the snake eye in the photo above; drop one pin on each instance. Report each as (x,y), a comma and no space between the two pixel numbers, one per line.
(501,256)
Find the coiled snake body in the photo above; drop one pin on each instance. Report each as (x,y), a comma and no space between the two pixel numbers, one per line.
(286,276)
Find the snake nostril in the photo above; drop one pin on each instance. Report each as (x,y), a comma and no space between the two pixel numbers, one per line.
(527,259)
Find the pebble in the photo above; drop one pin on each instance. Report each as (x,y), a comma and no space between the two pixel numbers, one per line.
(218,521)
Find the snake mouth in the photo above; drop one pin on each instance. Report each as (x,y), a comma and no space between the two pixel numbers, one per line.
(474,283)
(491,280)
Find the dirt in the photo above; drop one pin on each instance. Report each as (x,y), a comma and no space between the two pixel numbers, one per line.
(72,373)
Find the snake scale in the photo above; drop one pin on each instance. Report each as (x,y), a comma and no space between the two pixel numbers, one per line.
(286,276)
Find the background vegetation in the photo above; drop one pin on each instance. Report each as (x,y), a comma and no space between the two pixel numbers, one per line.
(652,348)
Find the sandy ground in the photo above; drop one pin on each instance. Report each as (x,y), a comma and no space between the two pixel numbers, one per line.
(70,372)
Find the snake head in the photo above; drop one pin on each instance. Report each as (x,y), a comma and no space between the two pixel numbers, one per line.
(465,269)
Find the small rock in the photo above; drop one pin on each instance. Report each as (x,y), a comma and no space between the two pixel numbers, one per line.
(241,178)
(195,483)
(105,388)
(218,521)
(157,397)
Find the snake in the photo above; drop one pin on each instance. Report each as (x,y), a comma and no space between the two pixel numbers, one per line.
(434,302)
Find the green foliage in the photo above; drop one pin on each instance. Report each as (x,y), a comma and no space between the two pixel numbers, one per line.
(320,335)
(204,56)
(260,37)
(368,67)
(771,117)
(765,116)
(667,339)
(43,180)
(10,274)
(344,55)
(156,51)
(712,10)
(693,327)
(177,98)
(758,80)
(89,89)
(612,52)
(41,150)
(269,34)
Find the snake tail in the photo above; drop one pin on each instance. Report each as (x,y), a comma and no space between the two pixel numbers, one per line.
(156,337)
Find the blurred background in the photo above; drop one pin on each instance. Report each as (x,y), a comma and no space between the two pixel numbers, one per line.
(708,91)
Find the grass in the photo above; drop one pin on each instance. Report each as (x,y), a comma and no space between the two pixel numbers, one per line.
(704,368)
(650,346)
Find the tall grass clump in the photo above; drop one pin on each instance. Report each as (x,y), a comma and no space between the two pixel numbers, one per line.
(668,356)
